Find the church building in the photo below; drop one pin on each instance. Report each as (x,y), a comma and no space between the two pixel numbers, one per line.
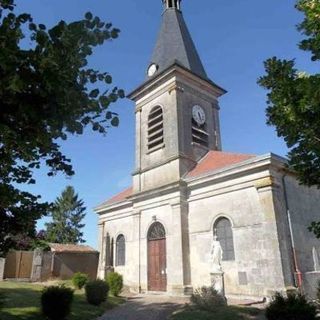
(186,192)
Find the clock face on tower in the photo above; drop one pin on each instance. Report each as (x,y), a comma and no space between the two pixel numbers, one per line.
(152,69)
(198,115)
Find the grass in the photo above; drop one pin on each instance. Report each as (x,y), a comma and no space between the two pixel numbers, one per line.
(221,313)
(22,301)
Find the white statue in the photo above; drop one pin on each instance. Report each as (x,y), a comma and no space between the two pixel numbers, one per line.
(315,259)
(216,255)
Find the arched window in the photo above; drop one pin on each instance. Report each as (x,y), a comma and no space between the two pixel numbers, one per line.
(155,128)
(156,232)
(120,251)
(223,232)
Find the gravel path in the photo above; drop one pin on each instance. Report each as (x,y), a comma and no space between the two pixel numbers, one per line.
(155,307)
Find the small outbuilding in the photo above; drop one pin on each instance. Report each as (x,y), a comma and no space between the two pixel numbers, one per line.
(61,262)
(69,258)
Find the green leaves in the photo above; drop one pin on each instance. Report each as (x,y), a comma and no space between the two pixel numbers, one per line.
(310,27)
(94,93)
(104,101)
(67,215)
(115,122)
(108,79)
(315,228)
(88,16)
(293,104)
(47,92)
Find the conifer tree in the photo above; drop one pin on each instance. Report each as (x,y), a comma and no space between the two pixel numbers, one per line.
(67,215)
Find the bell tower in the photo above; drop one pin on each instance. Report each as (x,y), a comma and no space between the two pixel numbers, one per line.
(174,4)
(177,109)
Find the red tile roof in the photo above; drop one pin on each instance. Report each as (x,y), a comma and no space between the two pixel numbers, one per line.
(120,196)
(215,160)
(57,247)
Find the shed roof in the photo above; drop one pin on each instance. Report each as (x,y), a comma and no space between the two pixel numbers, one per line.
(57,247)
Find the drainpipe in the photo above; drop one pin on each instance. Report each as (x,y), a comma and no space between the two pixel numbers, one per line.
(298,273)
(139,252)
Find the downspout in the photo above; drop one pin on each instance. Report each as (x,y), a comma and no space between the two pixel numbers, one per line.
(139,269)
(298,278)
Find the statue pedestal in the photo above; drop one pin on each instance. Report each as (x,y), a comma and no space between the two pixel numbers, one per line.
(217,281)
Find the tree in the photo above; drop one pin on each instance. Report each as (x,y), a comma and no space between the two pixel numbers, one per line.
(67,215)
(47,92)
(294,102)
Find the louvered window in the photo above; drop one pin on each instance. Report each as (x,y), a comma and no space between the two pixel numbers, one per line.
(199,134)
(155,128)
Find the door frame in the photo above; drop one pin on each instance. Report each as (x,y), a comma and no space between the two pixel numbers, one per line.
(163,237)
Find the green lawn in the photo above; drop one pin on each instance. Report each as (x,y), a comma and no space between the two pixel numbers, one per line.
(222,313)
(22,301)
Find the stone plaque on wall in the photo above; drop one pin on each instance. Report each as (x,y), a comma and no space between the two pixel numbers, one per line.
(243,279)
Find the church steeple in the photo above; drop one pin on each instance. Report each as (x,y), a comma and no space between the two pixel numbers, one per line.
(177,109)
(174,4)
(174,44)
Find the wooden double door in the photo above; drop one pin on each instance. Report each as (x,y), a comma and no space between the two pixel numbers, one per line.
(18,265)
(157,265)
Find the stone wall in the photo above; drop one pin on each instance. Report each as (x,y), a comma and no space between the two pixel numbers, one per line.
(37,265)
(256,270)
(134,224)
(2,264)
(68,263)
(311,281)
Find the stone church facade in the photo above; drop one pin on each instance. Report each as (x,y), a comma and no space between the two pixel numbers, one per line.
(186,191)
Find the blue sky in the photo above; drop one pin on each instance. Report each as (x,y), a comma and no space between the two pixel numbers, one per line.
(233,38)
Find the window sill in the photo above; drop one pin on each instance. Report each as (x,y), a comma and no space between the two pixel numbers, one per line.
(199,145)
(161,146)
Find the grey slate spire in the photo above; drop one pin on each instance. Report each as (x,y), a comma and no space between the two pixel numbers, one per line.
(174,44)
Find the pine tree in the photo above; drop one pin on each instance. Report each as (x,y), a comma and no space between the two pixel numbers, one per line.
(67,214)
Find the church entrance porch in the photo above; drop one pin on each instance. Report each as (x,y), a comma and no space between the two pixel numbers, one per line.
(157,259)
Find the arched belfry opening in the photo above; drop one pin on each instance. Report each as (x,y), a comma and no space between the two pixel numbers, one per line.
(172,4)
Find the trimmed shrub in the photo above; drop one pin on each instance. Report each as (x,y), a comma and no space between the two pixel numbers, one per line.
(56,302)
(207,298)
(2,299)
(295,306)
(79,280)
(115,283)
(96,292)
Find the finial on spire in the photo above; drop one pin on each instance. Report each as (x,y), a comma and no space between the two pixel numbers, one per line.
(172,4)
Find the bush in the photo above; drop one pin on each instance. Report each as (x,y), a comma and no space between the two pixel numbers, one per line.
(2,299)
(56,302)
(207,298)
(79,280)
(294,307)
(96,292)
(115,283)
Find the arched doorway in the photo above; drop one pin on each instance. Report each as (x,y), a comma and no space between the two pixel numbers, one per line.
(157,260)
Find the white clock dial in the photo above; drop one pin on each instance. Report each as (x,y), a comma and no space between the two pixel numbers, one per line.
(198,115)
(152,69)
